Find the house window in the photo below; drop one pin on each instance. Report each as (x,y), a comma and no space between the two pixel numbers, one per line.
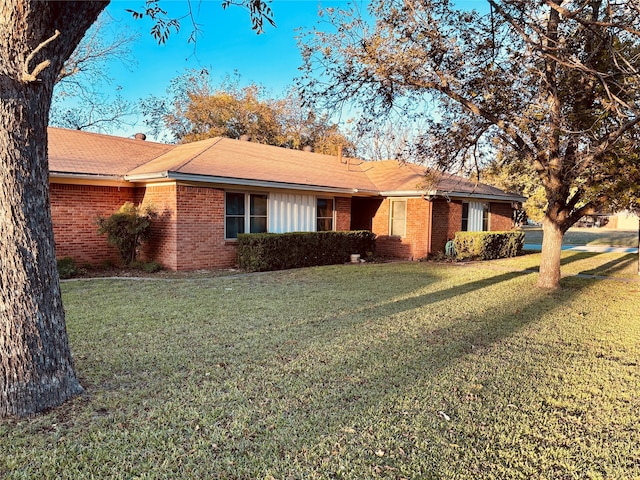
(485,217)
(244,212)
(465,217)
(398,221)
(257,213)
(475,217)
(324,214)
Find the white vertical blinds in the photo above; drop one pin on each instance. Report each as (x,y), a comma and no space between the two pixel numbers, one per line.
(291,213)
(476,210)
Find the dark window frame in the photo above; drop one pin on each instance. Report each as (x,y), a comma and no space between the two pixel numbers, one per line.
(321,220)
(247,213)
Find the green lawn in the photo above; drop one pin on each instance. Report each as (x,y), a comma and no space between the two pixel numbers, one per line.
(411,370)
(588,236)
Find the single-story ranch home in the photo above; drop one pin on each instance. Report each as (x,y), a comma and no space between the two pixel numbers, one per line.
(205,193)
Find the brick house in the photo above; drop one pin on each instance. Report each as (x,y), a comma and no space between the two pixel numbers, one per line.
(207,192)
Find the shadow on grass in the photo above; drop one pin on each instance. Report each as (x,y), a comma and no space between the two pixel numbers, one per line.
(398,364)
(617,265)
(293,383)
(568,258)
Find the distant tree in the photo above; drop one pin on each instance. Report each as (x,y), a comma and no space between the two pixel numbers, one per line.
(554,83)
(103,43)
(195,109)
(391,137)
(79,98)
(302,127)
(92,110)
(36,367)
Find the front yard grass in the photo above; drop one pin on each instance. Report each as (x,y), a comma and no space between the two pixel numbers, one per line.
(410,370)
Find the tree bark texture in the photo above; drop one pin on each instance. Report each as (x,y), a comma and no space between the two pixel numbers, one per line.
(549,276)
(36,366)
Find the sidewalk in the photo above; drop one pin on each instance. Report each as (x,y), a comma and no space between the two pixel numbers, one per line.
(585,248)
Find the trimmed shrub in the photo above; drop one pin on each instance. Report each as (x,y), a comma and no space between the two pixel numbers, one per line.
(259,252)
(488,245)
(127,229)
(67,267)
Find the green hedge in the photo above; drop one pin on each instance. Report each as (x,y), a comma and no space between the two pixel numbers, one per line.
(488,245)
(259,252)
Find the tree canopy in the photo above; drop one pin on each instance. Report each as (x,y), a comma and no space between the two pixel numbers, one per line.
(552,84)
(195,109)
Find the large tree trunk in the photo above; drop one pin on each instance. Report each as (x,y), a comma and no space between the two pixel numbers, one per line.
(36,367)
(549,276)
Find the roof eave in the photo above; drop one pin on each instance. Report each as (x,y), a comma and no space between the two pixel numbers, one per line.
(146,176)
(406,193)
(485,196)
(85,178)
(188,177)
(442,193)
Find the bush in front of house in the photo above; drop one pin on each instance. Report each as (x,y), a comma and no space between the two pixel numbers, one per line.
(127,229)
(259,252)
(488,245)
(67,267)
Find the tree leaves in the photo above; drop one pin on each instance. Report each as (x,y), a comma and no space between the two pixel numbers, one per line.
(259,11)
(164,24)
(197,110)
(554,87)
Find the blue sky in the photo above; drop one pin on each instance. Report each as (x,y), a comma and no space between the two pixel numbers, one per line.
(226,45)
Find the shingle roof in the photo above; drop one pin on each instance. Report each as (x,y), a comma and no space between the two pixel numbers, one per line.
(77,152)
(224,157)
(392,176)
(74,152)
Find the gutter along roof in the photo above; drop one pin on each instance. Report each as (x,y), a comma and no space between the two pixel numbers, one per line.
(224,161)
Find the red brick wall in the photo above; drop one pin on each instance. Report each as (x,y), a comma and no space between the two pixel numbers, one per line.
(189,230)
(418,225)
(200,230)
(162,245)
(415,244)
(500,217)
(363,210)
(447,220)
(343,213)
(74,209)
